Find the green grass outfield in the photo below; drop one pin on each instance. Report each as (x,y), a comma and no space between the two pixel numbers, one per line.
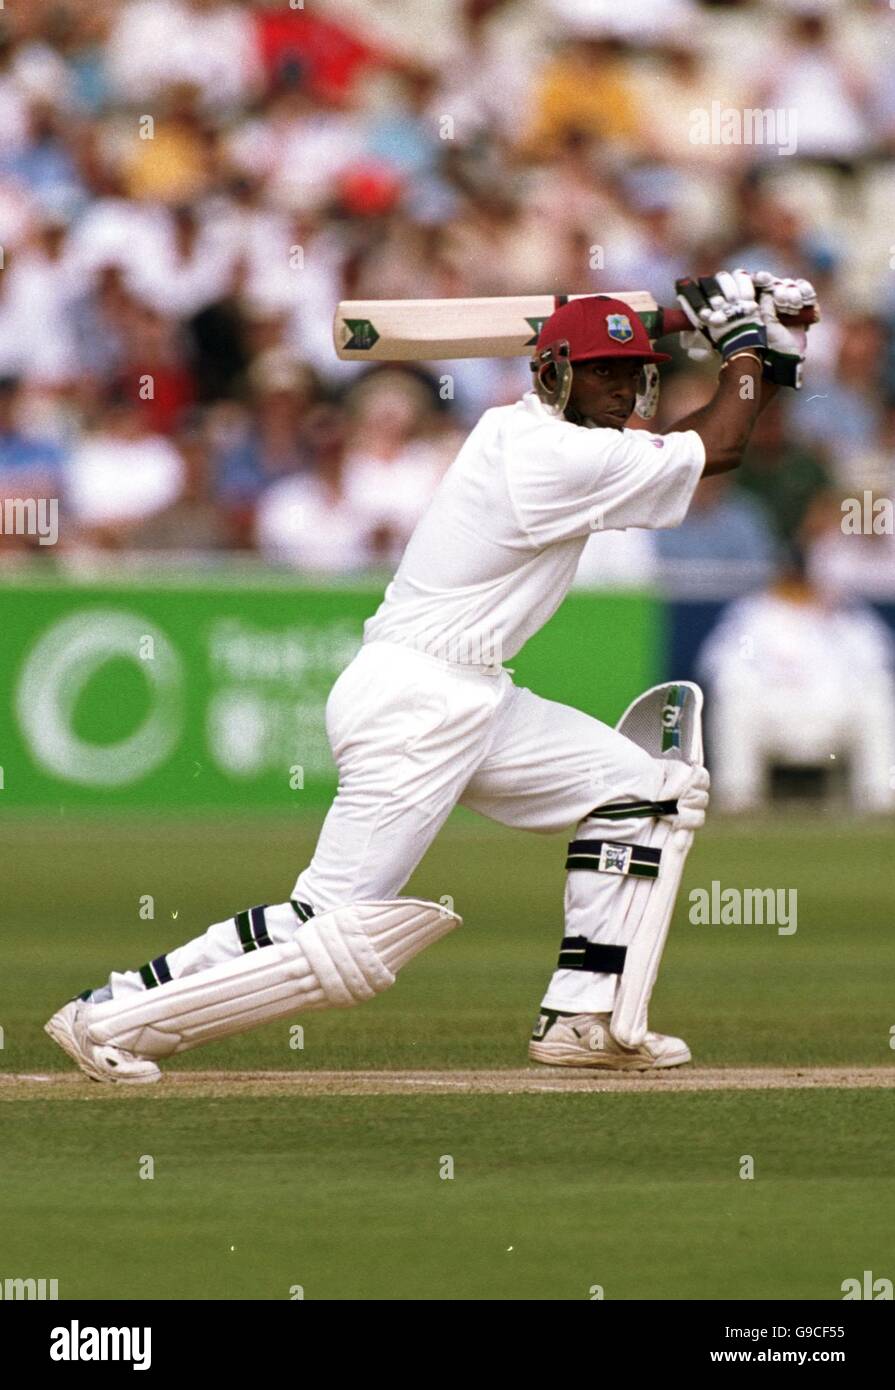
(552,1193)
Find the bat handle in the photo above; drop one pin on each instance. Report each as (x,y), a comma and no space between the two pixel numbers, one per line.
(676,321)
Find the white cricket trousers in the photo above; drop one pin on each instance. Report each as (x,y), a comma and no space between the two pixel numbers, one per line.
(413,736)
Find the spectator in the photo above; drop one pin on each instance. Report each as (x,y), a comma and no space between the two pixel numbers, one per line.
(44,163)
(846,415)
(783,474)
(268,443)
(209,44)
(797,680)
(809,76)
(37,330)
(725,529)
(168,162)
(391,464)
(301,145)
(307,520)
(31,467)
(193,523)
(585,86)
(155,371)
(847,564)
(303,155)
(191,269)
(120,475)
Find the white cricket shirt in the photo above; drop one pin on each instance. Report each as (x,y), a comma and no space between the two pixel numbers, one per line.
(495,553)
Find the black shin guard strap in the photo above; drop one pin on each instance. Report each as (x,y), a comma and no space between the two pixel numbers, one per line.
(577,953)
(627,810)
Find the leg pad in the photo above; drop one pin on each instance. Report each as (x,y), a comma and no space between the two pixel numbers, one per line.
(335,960)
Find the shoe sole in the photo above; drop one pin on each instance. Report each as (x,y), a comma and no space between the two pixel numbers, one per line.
(604,1062)
(59,1030)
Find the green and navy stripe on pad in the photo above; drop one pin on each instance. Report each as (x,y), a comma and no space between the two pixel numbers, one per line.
(252,928)
(251,925)
(155,972)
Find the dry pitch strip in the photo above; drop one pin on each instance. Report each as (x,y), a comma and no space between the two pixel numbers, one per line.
(524,1081)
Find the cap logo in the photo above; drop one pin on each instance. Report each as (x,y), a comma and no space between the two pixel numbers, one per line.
(618,326)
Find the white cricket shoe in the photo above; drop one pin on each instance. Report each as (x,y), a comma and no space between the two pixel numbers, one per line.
(100,1061)
(584,1040)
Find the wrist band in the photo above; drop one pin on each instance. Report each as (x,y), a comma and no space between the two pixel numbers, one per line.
(744,352)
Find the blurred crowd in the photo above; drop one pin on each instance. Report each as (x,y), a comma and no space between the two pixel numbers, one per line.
(188,188)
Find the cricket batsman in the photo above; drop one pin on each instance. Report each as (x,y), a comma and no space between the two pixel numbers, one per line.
(427,715)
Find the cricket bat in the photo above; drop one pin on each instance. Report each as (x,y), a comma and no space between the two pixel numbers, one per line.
(413,330)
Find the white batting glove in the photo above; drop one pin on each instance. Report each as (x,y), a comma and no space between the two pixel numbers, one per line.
(724,308)
(787,344)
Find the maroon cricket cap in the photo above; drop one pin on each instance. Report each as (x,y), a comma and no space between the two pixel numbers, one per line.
(598,326)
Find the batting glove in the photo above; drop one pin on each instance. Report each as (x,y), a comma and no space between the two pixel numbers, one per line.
(724,308)
(786,344)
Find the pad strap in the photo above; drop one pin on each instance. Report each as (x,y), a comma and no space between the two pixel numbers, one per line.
(622,810)
(577,953)
(155,972)
(614,857)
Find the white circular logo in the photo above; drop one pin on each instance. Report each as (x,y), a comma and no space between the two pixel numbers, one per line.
(57,669)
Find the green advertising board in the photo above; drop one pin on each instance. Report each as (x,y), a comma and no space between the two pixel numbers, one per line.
(197,693)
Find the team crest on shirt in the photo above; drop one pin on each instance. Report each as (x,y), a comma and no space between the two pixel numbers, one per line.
(618,326)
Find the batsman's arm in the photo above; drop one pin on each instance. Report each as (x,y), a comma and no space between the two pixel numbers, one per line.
(725,423)
(769,390)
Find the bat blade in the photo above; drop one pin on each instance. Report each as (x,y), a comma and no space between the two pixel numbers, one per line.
(423,330)
(413,330)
